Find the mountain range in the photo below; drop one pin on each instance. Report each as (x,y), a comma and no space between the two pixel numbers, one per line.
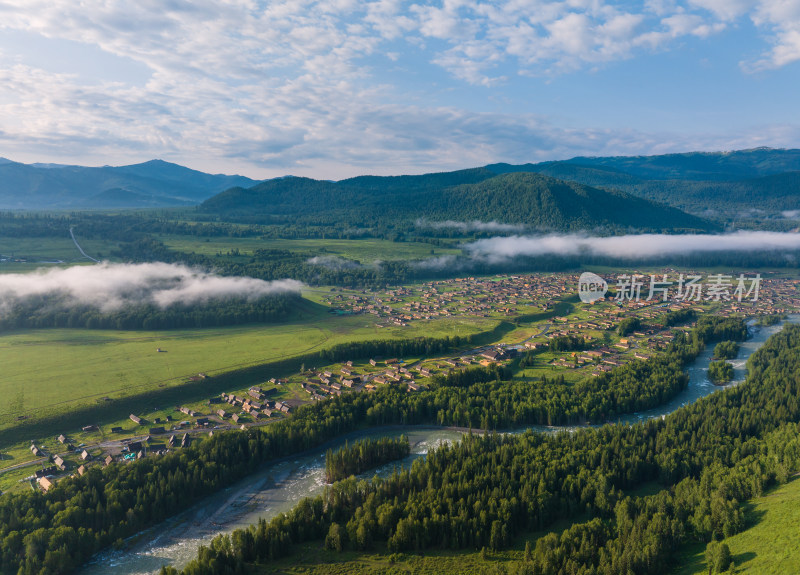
(648,192)
(151,184)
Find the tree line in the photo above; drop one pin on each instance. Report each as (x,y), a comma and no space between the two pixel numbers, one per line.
(138,235)
(720,372)
(679,317)
(726,350)
(363,455)
(769,320)
(567,343)
(629,325)
(53,311)
(273,264)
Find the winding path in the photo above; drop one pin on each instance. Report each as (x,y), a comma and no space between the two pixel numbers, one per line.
(80,249)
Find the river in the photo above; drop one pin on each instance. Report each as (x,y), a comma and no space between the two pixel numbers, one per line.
(280,486)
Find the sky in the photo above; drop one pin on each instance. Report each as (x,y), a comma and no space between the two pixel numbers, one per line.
(336,88)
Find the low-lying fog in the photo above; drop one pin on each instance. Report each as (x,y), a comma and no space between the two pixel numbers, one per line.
(110,286)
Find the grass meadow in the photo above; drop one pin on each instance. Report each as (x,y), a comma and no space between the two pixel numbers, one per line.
(46,252)
(47,373)
(364,250)
(771,543)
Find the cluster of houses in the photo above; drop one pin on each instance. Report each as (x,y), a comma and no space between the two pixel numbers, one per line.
(44,476)
(776,296)
(462,296)
(131,450)
(324,383)
(255,404)
(641,344)
(482,297)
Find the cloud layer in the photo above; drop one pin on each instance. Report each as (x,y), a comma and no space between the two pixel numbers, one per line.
(332,87)
(475,225)
(109,287)
(632,246)
(335,263)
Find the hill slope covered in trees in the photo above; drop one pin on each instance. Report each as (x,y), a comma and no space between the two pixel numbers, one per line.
(528,199)
(761,183)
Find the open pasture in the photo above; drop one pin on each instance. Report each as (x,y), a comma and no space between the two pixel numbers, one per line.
(364,250)
(50,371)
(45,251)
(771,543)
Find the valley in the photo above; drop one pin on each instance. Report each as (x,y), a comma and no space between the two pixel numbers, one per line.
(429,305)
(437,287)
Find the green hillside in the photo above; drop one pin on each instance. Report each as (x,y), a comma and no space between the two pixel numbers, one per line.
(771,546)
(758,183)
(546,202)
(773,193)
(597,176)
(737,165)
(525,198)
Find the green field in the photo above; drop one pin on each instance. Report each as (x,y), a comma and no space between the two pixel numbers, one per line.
(44,251)
(363,250)
(770,546)
(48,372)
(47,250)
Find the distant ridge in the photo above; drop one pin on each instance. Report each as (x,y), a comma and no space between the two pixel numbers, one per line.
(762,181)
(734,165)
(153,183)
(119,198)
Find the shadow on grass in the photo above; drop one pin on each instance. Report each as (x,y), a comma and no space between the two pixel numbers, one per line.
(693,560)
(752,515)
(742,558)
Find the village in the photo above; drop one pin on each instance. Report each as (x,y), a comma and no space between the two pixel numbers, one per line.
(543,312)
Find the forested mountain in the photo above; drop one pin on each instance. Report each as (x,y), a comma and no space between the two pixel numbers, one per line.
(534,200)
(769,194)
(761,183)
(596,176)
(737,165)
(546,202)
(153,183)
(438,180)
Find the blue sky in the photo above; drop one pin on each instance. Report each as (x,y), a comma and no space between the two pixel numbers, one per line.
(336,88)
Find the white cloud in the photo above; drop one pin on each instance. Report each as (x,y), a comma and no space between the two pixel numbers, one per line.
(474,225)
(110,286)
(779,21)
(500,249)
(725,9)
(334,263)
(288,85)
